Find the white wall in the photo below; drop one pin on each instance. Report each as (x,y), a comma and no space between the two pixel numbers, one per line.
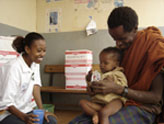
(30,15)
(75,17)
(19,13)
(150,12)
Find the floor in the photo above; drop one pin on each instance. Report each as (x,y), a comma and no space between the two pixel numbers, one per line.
(64,116)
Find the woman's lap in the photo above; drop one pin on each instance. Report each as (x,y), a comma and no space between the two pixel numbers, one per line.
(12,119)
(127,115)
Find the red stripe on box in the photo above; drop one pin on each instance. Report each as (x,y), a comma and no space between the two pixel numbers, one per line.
(74,78)
(4,53)
(70,73)
(68,61)
(79,52)
(79,65)
(76,86)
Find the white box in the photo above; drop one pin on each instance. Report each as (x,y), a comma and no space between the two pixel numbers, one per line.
(76,83)
(77,64)
(77,70)
(75,76)
(78,57)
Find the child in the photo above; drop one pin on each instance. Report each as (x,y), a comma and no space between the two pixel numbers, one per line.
(103,106)
(20,82)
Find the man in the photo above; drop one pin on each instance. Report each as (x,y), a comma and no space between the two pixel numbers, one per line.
(143,60)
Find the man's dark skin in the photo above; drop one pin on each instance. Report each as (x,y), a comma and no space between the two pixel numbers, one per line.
(153,96)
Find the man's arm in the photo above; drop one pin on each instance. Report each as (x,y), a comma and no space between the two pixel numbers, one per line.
(152,97)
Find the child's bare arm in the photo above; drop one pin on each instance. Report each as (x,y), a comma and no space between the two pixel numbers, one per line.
(90,91)
(88,76)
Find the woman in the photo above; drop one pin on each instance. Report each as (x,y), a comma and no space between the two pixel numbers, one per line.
(20,82)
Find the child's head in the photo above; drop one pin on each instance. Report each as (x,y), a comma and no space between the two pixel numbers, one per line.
(33,47)
(109,58)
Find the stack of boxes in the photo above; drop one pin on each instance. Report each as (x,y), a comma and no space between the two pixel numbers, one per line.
(77,65)
(7,53)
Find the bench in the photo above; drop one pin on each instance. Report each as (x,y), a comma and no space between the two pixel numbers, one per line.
(59,69)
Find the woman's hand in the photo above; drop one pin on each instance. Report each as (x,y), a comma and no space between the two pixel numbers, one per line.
(30,118)
(27,118)
(46,114)
(106,86)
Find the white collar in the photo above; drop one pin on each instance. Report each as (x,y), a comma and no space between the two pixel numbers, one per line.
(24,65)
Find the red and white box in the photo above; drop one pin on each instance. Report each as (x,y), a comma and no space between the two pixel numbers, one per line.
(77,70)
(76,83)
(75,76)
(6,51)
(77,65)
(78,57)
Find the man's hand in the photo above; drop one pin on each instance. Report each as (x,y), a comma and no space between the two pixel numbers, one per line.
(106,86)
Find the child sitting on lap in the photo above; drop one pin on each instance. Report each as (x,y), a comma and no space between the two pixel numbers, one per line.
(103,106)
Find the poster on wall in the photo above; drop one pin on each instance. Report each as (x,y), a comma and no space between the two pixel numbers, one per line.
(88,3)
(57,0)
(53,20)
(81,1)
(118,3)
(48,1)
(6,51)
(52,0)
(106,1)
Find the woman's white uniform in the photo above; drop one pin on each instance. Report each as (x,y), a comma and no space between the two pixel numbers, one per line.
(17,80)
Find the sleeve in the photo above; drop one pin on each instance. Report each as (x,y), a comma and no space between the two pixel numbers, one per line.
(37,75)
(120,78)
(9,87)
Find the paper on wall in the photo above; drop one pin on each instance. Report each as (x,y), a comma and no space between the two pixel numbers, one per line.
(118,3)
(91,28)
(53,20)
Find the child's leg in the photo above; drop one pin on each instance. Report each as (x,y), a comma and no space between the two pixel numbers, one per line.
(111,108)
(91,108)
